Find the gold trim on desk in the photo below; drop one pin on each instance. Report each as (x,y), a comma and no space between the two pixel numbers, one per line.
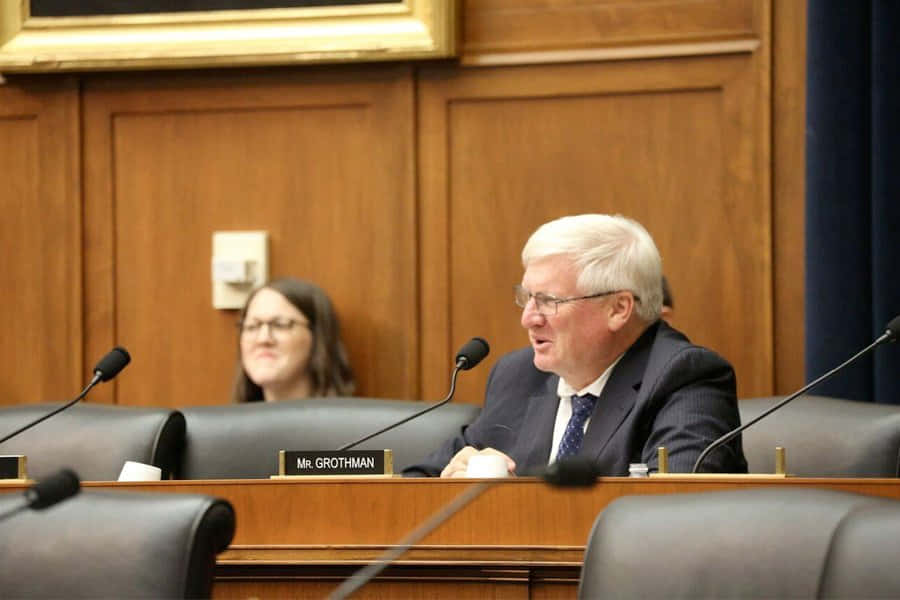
(410,29)
(737,476)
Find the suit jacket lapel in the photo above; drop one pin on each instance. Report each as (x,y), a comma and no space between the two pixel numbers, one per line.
(619,395)
(536,435)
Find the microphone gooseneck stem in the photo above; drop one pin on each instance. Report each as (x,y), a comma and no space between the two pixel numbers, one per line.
(367,573)
(412,416)
(83,393)
(14,511)
(735,432)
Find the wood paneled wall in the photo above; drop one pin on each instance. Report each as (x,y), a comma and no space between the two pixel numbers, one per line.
(322,160)
(405,190)
(40,241)
(672,143)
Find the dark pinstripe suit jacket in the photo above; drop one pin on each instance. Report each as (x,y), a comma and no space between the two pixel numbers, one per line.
(664,392)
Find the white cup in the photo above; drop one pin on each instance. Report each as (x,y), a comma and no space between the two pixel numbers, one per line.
(135,471)
(486,465)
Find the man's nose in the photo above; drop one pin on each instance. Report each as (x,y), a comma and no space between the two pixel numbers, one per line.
(531,317)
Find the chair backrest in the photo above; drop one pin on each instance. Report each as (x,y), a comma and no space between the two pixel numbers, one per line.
(756,543)
(243,440)
(823,437)
(106,544)
(863,558)
(94,440)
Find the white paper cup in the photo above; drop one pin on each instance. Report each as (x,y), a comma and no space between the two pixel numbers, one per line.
(135,471)
(486,465)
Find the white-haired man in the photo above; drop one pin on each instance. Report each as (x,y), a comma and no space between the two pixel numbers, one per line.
(604,376)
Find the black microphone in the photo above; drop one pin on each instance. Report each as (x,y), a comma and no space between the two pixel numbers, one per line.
(576,471)
(46,493)
(472,353)
(890,334)
(108,367)
(53,489)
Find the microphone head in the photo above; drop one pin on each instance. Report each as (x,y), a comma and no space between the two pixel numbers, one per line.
(472,353)
(893,329)
(576,471)
(53,489)
(110,365)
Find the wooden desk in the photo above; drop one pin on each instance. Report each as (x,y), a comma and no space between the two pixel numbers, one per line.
(520,539)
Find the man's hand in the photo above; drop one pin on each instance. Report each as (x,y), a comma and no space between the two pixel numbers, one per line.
(459,463)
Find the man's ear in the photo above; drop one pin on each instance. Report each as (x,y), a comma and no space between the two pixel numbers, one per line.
(620,310)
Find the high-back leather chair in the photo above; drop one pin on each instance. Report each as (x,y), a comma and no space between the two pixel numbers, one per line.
(754,543)
(823,437)
(108,544)
(862,562)
(94,439)
(243,440)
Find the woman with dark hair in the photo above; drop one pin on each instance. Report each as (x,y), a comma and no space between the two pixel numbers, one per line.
(290,345)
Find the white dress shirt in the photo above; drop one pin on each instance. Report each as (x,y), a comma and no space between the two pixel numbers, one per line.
(564,412)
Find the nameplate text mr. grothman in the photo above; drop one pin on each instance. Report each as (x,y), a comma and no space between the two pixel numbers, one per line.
(335,462)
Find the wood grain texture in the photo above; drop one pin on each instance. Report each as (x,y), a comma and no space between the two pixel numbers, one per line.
(407,192)
(677,144)
(517,25)
(400,584)
(299,538)
(322,161)
(40,241)
(789,196)
(361,512)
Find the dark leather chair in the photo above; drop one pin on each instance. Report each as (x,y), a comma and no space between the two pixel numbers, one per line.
(243,440)
(94,439)
(863,558)
(107,544)
(823,437)
(754,543)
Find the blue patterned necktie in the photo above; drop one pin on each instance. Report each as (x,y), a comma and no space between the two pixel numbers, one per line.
(582,407)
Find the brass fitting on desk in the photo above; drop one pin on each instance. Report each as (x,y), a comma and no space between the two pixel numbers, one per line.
(662,460)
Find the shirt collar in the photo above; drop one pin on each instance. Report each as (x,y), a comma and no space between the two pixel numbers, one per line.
(564,390)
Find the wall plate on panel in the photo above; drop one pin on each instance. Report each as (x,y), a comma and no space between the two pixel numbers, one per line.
(240,264)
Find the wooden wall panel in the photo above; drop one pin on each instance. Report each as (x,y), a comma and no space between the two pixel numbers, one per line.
(788,191)
(40,243)
(537,25)
(676,144)
(327,159)
(320,160)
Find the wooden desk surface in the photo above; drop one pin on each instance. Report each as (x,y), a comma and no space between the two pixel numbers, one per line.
(516,519)
(520,539)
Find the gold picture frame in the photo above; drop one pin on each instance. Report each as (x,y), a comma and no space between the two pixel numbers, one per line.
(409,29)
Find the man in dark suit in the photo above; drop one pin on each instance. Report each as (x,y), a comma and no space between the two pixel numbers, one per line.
(604,376)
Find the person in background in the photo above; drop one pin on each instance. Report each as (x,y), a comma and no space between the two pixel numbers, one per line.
(290,345)
(604,378)
(668,303)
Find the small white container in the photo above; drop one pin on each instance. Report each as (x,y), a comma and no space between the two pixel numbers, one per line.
(135,471)
(486,465)
(638,470)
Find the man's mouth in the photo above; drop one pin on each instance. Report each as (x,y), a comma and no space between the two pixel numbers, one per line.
(540,342)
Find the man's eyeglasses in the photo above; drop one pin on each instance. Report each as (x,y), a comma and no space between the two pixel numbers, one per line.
(548,305)
(276,326)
